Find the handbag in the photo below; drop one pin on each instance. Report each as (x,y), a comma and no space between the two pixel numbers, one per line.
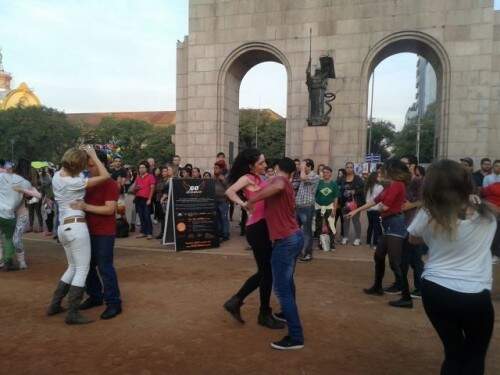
(351,205)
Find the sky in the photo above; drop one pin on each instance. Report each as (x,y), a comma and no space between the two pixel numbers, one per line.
(120,55)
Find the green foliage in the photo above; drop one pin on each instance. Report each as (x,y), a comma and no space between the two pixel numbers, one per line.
(270,133)
(383,134)
(406,140)
(40,133)
(137,140)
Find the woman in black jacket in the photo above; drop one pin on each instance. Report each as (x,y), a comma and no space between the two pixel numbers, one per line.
(351,196)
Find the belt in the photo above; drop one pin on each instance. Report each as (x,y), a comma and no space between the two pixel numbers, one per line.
(74,219)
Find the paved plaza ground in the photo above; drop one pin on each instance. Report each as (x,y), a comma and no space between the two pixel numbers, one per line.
(173,322)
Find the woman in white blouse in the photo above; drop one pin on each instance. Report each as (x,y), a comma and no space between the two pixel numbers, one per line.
(457,278)
(69,185)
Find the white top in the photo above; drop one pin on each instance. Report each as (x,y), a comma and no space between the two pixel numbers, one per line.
(10,199)
(371,195)
(67,190)
(462,264)
(491,179)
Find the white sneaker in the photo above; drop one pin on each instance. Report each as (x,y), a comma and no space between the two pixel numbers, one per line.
(495,259)
(357,242)
(344,241)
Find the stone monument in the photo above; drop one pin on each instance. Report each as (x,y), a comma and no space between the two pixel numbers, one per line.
(461,39)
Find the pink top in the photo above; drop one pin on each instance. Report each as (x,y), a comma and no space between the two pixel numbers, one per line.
(144,185)
(259,207)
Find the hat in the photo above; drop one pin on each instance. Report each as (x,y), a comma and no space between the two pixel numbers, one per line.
(467,160)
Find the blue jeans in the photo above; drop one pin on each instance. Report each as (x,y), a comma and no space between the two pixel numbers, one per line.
(102,260)
(283,260)
(222,216)
(305,219)
(144,215)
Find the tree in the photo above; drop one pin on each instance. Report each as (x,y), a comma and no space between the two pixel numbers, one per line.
(271,132)
(405,142)
(383,134)
(39,133)
(137,140)
(159,144)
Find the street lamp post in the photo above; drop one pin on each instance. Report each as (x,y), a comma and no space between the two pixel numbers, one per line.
(371,116)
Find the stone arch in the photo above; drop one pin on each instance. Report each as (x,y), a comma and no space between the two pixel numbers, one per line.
(432,50)
(231,72)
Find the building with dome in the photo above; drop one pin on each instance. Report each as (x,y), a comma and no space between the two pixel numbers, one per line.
(22,96)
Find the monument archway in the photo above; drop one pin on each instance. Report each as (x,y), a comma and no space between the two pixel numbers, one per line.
(231,73)
(430,49)
(461,40)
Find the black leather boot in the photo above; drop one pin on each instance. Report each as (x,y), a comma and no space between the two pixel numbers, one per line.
(55,305)
(376,289)
(267,319)
(233,306)
(75,296)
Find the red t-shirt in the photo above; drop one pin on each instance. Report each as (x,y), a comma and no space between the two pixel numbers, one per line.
(280,212)
(492,193)
(102,225)
(393,196)
(144,185)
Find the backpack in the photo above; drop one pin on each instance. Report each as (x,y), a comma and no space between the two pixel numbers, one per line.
(122,227)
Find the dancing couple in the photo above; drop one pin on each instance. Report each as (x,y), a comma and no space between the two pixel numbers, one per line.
(276,240)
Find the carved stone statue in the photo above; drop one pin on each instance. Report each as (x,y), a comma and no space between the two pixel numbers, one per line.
(317,85)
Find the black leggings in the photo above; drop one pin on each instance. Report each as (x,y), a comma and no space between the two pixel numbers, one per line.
(464,322)
(393,246)
(35,208)
(258,238)
(412,256)
(374,230)
(339,215)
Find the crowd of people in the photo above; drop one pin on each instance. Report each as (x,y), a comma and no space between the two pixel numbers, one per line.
(448,211)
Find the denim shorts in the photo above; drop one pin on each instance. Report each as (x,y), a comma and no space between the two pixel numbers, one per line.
(394,225)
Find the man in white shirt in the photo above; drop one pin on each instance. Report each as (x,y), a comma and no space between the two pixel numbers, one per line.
(493,177)
(11,187)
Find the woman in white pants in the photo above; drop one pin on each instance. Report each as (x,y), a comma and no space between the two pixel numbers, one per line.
(69,185)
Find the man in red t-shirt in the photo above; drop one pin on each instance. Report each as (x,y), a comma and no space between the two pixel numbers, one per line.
(288,241)
(100,207)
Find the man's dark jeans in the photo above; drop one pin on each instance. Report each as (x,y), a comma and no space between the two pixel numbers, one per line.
(283,259)
(102,260)
(305,218)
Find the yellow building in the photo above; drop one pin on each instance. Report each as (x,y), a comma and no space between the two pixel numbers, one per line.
(20,97)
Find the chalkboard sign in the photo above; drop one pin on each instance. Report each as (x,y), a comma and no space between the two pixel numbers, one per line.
(194,213)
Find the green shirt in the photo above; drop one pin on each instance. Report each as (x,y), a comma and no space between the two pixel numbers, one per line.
(326,193)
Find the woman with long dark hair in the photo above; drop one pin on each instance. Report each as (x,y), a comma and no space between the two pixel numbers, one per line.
(245,179)
(338,212)
(352,196)
(457,278)
(390,201)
